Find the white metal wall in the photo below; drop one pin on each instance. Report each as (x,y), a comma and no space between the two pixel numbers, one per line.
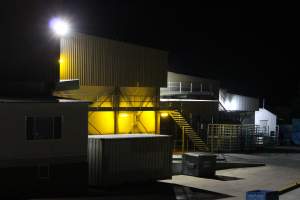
(235,102)
(269,117)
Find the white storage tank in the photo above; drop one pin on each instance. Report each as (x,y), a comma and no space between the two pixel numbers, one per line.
(125,158)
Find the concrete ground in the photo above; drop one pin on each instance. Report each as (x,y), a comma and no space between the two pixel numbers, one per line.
(280,170)
(291,195)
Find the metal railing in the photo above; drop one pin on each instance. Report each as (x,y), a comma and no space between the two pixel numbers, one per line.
(176,88)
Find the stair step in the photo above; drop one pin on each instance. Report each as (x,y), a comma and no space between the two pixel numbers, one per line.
(197,141)
(189,131)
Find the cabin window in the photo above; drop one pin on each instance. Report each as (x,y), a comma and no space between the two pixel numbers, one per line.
(42,128)
(44,171)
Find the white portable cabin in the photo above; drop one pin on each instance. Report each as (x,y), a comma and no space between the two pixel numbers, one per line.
(43,145)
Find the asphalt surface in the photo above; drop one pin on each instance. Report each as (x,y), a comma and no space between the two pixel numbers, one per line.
(280,170)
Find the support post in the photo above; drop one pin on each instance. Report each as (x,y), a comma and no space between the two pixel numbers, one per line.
(116,106)
(182,143)
(187,144)
(157,96)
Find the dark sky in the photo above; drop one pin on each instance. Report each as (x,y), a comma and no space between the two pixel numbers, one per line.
(252,49)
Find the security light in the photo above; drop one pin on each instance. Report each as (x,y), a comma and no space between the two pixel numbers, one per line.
(123,114)
(164,114)
(59,26)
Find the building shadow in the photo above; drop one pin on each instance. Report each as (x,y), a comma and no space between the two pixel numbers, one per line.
(226,178)
(144,191)
(155,190)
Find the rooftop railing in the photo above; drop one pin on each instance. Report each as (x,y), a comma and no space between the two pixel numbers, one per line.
(186,88)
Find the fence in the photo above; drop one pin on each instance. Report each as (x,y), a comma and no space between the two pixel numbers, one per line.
(238,138)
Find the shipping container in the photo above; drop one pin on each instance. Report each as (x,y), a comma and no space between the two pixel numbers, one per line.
(128,158)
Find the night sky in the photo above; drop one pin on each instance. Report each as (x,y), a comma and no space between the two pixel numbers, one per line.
(253,50)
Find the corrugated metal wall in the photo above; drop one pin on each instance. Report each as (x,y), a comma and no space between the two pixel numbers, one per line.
(102,62)
(129,158)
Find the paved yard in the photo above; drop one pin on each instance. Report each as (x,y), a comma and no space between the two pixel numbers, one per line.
(280,171)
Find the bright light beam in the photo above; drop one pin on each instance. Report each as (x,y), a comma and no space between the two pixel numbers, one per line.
(59,26)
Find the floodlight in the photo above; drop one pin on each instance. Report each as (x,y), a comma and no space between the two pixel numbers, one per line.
(59,26)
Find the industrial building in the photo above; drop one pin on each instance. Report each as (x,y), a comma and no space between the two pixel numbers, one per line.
(85,116)
(132,92)
(101,87)
(209,117)
(122,80)
(129,91)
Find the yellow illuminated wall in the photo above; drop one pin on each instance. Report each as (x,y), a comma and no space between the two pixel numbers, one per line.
(137,97)
(147,121)
(128,122)
(62,67)
(136,122)
(101,122)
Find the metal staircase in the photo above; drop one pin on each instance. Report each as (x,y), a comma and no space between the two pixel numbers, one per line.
(188,131)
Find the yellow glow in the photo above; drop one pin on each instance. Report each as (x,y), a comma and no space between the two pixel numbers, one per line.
(101,122)
(123,114)
(104,103)
(62,67)
(128,122)
(136,101)
(137,122)
(125,123)
(146,123)
(164,114)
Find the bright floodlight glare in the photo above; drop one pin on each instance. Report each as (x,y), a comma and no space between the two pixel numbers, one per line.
(60,26)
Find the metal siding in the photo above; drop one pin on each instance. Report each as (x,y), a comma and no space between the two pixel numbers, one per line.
(234,102)
(103,62)
(125,159)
